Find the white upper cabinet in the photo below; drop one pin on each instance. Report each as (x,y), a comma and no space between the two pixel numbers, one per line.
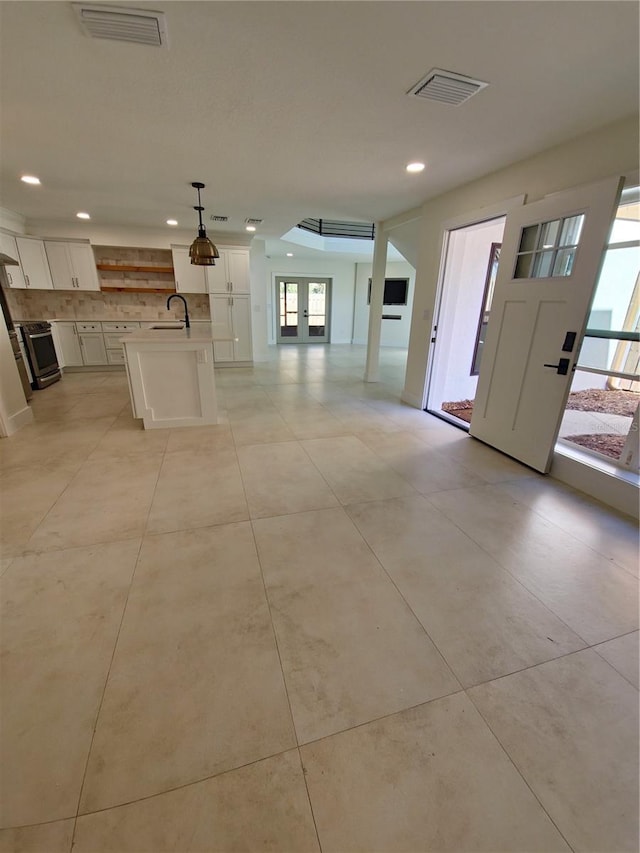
(189,277)
(8,246)
(230,273)
(72,265)
(33,260)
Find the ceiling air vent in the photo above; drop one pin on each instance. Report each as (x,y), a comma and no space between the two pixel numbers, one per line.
(116,22)
(446,87)
(215,218)
(253,221)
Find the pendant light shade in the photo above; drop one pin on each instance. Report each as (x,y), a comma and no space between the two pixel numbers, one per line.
(202,251)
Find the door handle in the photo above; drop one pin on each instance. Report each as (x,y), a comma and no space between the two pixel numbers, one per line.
(562,367)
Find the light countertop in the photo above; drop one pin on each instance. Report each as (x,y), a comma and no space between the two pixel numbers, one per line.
(173,336)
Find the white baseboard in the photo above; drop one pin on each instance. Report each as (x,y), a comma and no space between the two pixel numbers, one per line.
(21,418)
(411,399)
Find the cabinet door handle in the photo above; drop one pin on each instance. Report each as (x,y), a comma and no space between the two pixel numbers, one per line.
(10,279)
(28,283)
(231,286)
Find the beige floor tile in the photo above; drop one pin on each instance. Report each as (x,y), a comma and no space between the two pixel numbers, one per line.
(484,622)
(60,617)
(351,649)
(46,838)
(260,807)
(596,598)
(201,439)
(260,429)
(126,436)
(353,471)
(53,441)
(431,778)
(609,533)
(195,686)
(108,499)
(196,490)
(26,496)
(482,460)
(622,654)
(417,463)
(280,478)
(571,728)
(105,402)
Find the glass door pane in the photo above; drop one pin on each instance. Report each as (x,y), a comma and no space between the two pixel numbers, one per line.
(316,311)
(288,311)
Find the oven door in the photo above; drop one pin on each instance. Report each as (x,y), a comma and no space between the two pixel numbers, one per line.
(42,353)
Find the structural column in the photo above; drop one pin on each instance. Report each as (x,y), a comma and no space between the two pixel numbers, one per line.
(375,307)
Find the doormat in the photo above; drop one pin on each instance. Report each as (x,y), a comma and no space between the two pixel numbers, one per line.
(609,444)
(591,400)
(462,409)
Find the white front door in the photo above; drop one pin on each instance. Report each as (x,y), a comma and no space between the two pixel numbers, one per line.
(551,255)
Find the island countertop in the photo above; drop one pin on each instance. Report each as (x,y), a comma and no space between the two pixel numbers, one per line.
(172,336)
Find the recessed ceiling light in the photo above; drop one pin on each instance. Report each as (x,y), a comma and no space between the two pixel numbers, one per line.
(82,215)
(415,167)
(250,228)
(30,179)
(172,221)
(289,254)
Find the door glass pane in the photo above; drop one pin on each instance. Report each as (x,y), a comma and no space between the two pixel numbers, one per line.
(549,234)
(288,308)
(523,265)
(627,223)
(529,238)
(317,302)
(564,262)
(571,230)
(542,265)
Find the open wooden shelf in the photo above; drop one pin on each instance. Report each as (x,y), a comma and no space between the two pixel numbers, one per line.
(132,268)
(167,290)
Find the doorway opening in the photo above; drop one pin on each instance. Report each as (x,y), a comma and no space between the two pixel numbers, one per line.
(470,267)
(304,310)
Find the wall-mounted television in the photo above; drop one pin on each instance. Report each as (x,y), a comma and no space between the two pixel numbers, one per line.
(395,291)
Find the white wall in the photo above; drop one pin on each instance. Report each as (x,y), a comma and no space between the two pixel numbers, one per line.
(259,299)
(612,150)
(14,409)
(342,275)
(394,333)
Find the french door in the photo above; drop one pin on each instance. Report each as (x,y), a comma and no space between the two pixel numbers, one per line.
(551,255)
(303,310)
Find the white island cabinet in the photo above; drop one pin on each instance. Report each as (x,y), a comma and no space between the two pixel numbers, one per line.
(171,377)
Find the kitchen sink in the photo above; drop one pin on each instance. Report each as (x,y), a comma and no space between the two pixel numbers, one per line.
(170,326)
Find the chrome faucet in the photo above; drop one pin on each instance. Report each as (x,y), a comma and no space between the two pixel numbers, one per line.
(186,310)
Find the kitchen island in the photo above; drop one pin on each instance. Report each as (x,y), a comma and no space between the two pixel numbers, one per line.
(171,377)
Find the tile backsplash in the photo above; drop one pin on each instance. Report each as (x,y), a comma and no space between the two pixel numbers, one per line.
(88,305)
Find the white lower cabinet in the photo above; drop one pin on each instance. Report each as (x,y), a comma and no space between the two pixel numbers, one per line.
(67,343)
(113,333)
(231,315)
(92,343)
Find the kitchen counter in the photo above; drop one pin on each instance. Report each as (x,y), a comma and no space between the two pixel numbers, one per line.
(171,377)
(171,336)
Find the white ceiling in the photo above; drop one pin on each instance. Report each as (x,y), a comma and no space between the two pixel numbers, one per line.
(288,110)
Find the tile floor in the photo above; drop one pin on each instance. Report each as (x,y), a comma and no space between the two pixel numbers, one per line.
(331,622)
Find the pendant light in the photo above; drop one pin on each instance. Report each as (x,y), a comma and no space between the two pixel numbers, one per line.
(202,251)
